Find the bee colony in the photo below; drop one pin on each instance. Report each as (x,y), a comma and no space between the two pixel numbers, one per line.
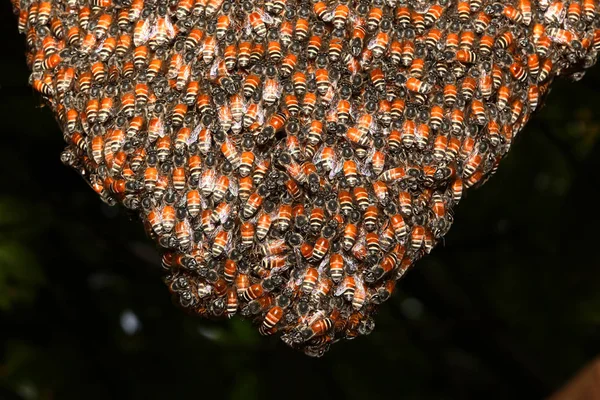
(293,159)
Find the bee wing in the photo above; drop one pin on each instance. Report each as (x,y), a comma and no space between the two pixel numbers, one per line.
(204,289)
(171,29)
(207,179)
(211,237)
(224,215)
(317,157)
(278,270)
(214,69)
(194,135)
(229,244)
(370,153)
(363,167)
(143,31)
(234,187)
(337,168)
(328,15)
(372,43)
(160,126)
(205,140)
(360,286)
(203,203)
(236,126)
(341,288)
(315,317)
(247,29)
(267,18)
(261,115)
(324,265)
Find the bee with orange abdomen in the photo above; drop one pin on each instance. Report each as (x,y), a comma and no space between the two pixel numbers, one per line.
(283,217)
(312,49)
(493,130)
(590,9)
(254,202)
(336,46)
(72,119)
(183,233)
(221,241)
(381,191)
(257,52)
(362,197)
(311,276)
(407,133)
(422,136)
(193,202)
(252,292)
(464,10)
(505,40)
(208,226)
(350,172)
(272,318)
(322,289)
(457,190)
(526,11)
(518,71)
(64,79)
(232,302)
(320,248)
(533,97)
(466,56)
(546,70)
(167,216)
(542,46)
(372,240)
(371,216)
(273,259)
(478,110)
(179,178)
(574,12)
(306,250)
(417,236)
(379,44)
(275,6)
(322,79)
(317,219)
(457,120)
(474,160)
(394,174)
(247,232)
(466,40)
(482,21)
(163,148)
(450,94)
(212,7)
(336,267)
(512,13)
(301,29)
(299,82)
(155,221)
(102,24)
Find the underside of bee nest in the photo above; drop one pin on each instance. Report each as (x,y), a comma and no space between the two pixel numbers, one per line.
(293,159)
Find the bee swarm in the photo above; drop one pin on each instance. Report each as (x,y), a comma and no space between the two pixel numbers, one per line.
(292,158)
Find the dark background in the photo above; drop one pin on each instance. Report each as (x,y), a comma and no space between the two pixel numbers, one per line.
(507,307)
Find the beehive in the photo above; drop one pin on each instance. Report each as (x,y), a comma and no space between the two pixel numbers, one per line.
(293,159)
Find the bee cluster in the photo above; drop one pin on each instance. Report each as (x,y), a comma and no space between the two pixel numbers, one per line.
(294,158)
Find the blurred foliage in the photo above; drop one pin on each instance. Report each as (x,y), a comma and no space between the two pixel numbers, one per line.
(507,307)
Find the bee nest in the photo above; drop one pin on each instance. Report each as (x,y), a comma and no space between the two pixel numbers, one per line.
(292,158)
